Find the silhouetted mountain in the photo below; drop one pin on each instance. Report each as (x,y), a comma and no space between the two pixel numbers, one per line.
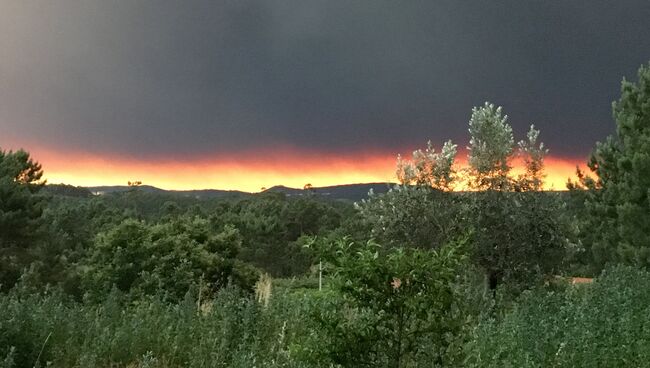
(201,193)
(285,190)
(351,192)
(123,188)
(67,190)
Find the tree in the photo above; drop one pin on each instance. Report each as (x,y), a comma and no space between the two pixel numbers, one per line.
(518,238)
(21,208)
(490,148)
(419,212)
(616,226)
(429,168)
(533,154)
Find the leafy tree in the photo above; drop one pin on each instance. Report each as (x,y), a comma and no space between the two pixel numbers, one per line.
(533,177)
(21,208)
(419,212)
(518,238)
(71,226)
(616,226)
(490,148)
(307,216)
(397,306)
(429,168)
(170,209)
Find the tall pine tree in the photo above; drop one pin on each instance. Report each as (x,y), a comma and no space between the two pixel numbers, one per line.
(20,212)
(616,227)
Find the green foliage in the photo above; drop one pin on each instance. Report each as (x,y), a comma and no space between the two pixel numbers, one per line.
(60,241)
(518,238)
(429,168)
(397,307)
(616,227)
(67,190)
(490,148)
(605,324)
(145,259)
(230,330)
(20,212)
(8,361)
(271,226)
(533,154)
(415,216)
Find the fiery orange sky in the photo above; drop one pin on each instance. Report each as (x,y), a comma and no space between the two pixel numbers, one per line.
(245,172)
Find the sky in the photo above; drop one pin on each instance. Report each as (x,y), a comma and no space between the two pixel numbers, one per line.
(244,94)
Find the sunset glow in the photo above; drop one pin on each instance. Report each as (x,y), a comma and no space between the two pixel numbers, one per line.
(248,173)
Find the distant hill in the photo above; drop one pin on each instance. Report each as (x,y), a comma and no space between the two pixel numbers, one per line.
(351,192)
(67,190)
(123,188)
(201,193)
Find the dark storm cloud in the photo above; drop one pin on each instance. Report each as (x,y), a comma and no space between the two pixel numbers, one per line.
(171,78)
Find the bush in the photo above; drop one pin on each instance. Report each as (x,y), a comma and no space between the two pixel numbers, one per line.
(413,216)
(392,307)
(144,259)
(605,324)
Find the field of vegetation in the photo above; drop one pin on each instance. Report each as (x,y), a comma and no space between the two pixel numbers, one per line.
(421,276)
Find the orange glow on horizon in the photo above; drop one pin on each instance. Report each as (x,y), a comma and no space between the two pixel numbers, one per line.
(249,173)
(557,170)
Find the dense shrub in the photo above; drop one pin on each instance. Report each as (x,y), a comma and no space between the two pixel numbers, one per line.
(413,216)
(170,257)
(393,307)
(605,324)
